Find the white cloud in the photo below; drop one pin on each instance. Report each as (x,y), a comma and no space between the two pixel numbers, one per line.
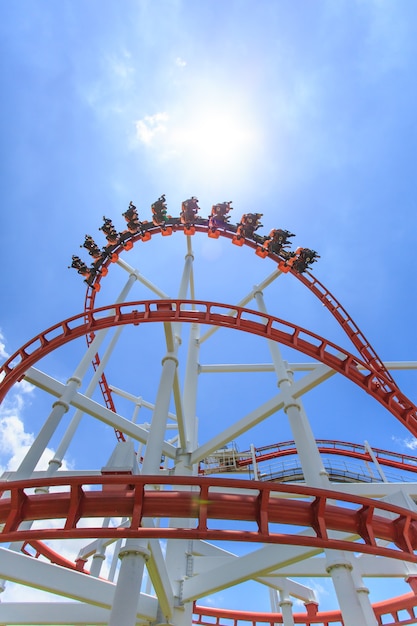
(3,353)
(180,62)
(122,68)
(13,435)
(14,440)
(410,443)
(151,126)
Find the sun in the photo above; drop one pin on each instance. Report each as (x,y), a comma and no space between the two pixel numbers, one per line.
(217,137)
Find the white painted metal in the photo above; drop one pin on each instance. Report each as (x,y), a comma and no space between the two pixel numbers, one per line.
(355,609)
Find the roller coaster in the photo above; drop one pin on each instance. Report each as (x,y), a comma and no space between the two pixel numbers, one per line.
(155,523)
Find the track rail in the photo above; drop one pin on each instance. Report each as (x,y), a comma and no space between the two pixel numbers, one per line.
(405,462)
(398,612)
(271,509)
(212,313)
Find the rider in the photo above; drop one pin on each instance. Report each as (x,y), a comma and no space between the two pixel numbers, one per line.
(91,246)
(159,211)
(248,224)
(189,210)
(131,213)
(277,240)
(109,230)
(132,218)
(79,265)
(305,258)
(219,215)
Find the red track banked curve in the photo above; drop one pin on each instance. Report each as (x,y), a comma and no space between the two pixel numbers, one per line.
(268,507)
(216,314)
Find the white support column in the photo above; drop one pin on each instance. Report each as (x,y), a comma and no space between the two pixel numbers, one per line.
(254,463)
(185,279)
(126,596)
(61,406)
(190,388)
(244,301)
(285,604)
(354,603)
(134,554)
(179,553)
(305,442)
(362,593)
(147,283)
(56,462)
(375,461)
(355,610)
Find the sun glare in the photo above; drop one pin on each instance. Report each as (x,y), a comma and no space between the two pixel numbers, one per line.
(217,135)
(216,138)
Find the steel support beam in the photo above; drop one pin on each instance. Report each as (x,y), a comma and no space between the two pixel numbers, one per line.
(80,401)
(26,570)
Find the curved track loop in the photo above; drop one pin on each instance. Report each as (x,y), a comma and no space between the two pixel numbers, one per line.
(404,462)
(217,314)
(264,505)
(399,612)
(229,231)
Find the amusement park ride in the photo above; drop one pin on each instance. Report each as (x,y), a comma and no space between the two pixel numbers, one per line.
(175,512)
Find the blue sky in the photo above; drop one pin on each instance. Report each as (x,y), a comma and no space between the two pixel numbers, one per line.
(303,111)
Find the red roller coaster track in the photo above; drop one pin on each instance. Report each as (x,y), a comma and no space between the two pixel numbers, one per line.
(365,520)
(216,314)
(405,462)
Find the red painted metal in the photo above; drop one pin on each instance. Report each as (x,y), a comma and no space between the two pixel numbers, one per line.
(104,387)
(399,611)
(263,505)
(217,314)
(405,462)
(46,551)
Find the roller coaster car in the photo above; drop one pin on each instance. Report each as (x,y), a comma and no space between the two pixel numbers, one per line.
(246,227)
(274,243)
(218,218)
(277,240)
(131,213)
(89,273)
(299,261)
(132,218)
(189,210)
(91,246)
(306,258)
(79,265)
(109,230)
(159,215)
